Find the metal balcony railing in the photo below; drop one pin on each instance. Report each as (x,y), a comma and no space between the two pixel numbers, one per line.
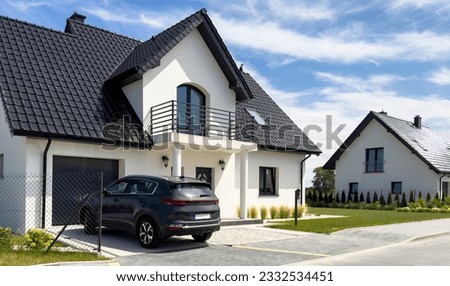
(174,116)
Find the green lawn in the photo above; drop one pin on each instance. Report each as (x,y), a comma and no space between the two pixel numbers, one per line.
(355,218)
(23,257)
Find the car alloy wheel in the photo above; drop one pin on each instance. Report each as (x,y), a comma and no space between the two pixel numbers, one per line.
(147,233)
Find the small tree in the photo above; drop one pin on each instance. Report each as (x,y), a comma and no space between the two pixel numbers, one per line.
(349,197)
(403,203)
(321,199)
(343,198)
(355,197)
(314,196)
(361,197)
(382,200)
(411,197)
(368,198)
(389,199)
(338,200)
(428,197)
(375,197)
(420,194)
(397,200)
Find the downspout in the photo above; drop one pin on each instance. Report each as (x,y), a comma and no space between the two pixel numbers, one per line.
(298,191)
(440,186)
(44,181)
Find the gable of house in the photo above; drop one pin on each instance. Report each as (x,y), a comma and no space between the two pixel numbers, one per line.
(427,145)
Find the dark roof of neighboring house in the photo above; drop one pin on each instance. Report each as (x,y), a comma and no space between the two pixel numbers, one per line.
(51,82)
(423,142)
(66,85)
(148,55)
(279,134)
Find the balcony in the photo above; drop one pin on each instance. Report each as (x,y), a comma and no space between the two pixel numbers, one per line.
(174,116)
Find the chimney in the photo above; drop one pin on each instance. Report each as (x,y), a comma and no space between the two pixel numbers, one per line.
(418,121)
(77,17)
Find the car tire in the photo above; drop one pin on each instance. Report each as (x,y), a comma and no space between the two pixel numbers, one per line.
(202,237)
(147,233)
(89,223)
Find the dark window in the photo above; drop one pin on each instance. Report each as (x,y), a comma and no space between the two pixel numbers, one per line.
(396,188)
(374,160)
(190,110)
(353,187)
(119,187)
(267,181)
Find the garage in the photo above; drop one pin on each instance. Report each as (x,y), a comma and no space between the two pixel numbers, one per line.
(73,178)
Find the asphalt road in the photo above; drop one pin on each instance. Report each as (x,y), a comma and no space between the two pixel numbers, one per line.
(418,243)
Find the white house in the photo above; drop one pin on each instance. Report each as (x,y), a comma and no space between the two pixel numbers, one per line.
(87,100)
(391,155)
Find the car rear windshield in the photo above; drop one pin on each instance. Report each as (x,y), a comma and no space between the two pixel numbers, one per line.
(192,190)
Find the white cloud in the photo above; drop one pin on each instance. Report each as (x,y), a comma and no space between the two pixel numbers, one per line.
(440,77)
(26,5)
(342,47)
(419,4)
(131,15)
(301,10)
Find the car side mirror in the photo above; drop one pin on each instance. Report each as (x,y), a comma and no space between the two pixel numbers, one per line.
(106,192)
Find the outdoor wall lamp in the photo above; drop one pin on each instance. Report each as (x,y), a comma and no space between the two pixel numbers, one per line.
(222,164)
(165,160)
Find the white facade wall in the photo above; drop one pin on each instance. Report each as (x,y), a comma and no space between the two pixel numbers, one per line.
(288,178)
(400,165)
(13,185)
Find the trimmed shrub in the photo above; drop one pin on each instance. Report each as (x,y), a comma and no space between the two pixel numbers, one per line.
(337,198)
(300,211)
(37,239)
(428,199)
(420,194)
(285,212)
(5,238)
(263,212)
(273,212)
(252,212)
(343,198)
(447,201)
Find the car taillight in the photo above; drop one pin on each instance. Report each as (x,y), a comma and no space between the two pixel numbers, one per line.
(172,202)
(216,202)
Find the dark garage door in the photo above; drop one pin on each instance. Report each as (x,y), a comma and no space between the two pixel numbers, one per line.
(74,177)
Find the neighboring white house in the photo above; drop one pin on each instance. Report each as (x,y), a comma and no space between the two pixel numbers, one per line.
(89,100)
(391,155)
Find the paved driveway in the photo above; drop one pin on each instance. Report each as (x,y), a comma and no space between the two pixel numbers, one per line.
(256,245)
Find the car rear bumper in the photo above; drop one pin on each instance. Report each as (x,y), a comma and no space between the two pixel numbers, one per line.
(189,228)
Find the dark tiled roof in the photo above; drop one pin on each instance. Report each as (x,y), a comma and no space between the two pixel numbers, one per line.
(52,82)
(423,142)
(148,55)
(280,133)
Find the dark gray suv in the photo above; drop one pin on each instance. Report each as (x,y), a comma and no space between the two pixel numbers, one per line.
(156,208)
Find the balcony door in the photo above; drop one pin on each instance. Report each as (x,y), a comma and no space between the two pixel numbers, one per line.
(191,114)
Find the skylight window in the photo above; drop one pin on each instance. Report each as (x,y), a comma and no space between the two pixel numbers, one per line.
(258,118)
(420,145)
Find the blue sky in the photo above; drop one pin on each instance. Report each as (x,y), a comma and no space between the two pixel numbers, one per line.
(315,58)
